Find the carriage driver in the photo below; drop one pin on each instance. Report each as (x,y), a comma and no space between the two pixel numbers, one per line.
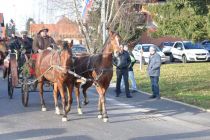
(43,41)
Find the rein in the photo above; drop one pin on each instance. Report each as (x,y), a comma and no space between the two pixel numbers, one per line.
(59,68)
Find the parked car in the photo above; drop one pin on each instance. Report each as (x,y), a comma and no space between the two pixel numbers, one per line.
(187,51)
(78,48)
(206,45)
(144,48)
(166,47)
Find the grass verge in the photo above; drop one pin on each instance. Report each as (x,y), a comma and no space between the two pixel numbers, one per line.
(189,83)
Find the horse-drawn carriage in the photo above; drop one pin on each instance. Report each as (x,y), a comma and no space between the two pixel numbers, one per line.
(15,67)
(56,67)
(17,73)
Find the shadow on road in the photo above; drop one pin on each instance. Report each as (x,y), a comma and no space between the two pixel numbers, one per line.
(79,137)
(192,135)
(33,133)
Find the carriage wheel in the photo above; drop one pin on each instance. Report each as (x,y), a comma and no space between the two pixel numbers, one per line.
(10,87)
(25,93)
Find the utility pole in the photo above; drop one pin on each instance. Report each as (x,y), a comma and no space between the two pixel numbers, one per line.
(103,20)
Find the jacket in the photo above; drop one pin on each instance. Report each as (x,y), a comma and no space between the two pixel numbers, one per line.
(14,43)
(133,61)
(154,64)
(42,42)
(122,61)
(26,43)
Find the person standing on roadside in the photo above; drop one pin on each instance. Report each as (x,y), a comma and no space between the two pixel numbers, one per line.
(122,62)
(131,76)
(154,71)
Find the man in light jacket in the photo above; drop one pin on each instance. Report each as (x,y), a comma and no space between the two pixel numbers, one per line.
(154,71)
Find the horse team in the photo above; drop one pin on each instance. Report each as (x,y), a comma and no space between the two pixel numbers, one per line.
(54,66)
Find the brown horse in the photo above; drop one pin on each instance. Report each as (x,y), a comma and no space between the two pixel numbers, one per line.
(52,65)
(99,68)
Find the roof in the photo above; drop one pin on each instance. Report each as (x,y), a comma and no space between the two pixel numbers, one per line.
(64,27)
(37,27)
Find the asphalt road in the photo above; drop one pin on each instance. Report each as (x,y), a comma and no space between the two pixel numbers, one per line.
(138,118)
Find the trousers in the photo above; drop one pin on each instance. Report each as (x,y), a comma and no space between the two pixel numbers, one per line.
(122,73)
(155,85)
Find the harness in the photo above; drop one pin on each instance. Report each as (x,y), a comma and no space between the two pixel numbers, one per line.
(58,67)
(91,68)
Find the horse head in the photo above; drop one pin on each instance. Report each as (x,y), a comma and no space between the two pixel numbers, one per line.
(112,44)
(65,54)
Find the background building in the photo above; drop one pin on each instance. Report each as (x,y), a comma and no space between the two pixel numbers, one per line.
(64,29)
(2,29)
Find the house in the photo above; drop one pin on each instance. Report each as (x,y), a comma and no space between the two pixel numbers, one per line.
(146,18)
(2,29)
(64,29)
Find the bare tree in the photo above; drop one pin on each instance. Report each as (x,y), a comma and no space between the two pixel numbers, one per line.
(117,17)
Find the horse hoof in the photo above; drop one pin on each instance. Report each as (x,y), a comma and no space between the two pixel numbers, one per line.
(105,120)
(57,111)
(99,116)
(80,111)
(44,109)
(64,119)
(85,102)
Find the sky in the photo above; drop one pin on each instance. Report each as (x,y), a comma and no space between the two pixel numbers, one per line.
(21,10)
(18,10)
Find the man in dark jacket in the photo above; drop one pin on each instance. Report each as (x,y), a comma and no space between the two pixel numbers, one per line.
(122,62)
(43,41)
(130,71)
(14,42)
(26,42)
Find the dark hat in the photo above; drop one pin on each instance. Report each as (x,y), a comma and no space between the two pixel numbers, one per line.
(23,32)
(43,29)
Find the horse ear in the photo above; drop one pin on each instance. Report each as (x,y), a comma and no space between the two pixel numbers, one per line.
(71,43)
(110,32)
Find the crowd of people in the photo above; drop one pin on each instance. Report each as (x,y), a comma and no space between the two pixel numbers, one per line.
(40,42)
(124,62)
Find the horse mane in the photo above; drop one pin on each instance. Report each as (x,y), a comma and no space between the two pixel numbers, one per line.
(105,44)
(108,39)
(63,44)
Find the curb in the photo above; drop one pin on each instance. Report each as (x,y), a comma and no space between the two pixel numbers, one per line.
(179,102)
(174,101)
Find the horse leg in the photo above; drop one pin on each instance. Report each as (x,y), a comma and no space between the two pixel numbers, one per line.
(102,103)
(77,92)
(60,87)
(55,93)
(70,87)
(99,108)
(41,83)
(5,72)
(84,91)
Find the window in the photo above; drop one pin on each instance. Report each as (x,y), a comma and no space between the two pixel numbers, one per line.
(178,45)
